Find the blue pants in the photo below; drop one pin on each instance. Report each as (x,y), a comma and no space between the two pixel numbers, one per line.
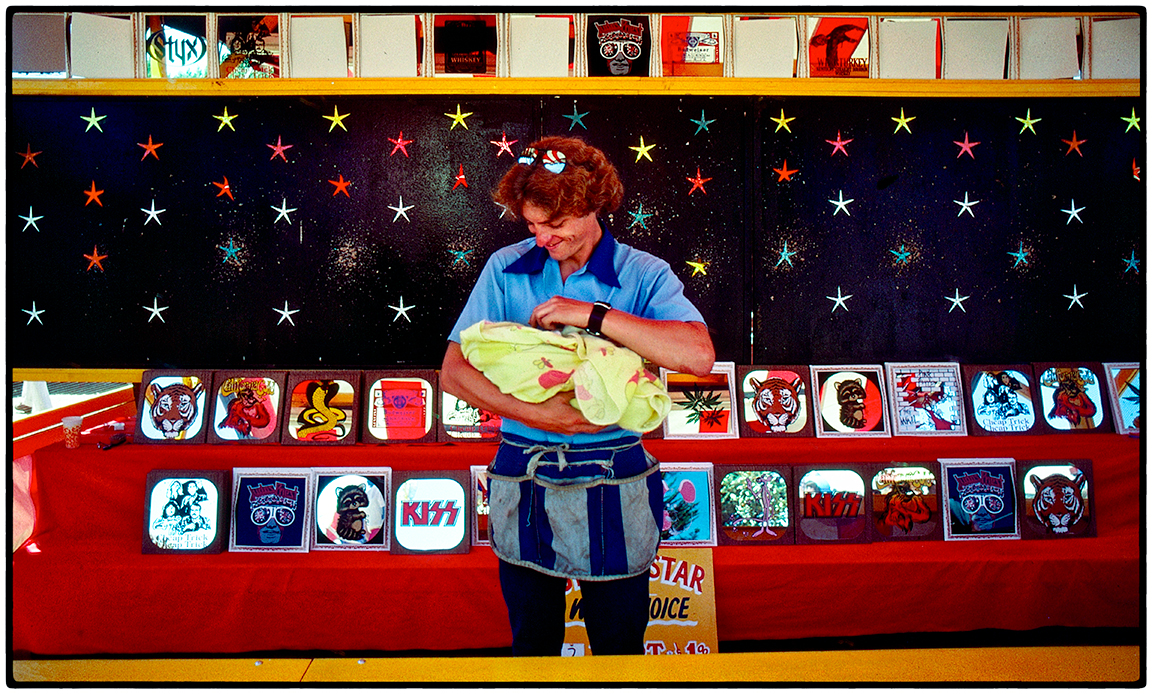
(615,612)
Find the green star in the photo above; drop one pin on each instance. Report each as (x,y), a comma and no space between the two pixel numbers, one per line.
(701,124)
(901,255)
(576,118)
(639,217)
(785,256)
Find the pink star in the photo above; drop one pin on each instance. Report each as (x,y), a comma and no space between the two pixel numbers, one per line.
(460,180)
(965,146)
(401,144)
(278,149)
(838,144)
(698,182)
(504,145)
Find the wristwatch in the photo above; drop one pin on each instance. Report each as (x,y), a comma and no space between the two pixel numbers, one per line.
(596,320)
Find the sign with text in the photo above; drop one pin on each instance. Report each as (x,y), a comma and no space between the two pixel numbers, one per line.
(682,606)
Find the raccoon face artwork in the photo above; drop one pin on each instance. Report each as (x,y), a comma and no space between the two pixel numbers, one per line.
(350,517)
(850,394)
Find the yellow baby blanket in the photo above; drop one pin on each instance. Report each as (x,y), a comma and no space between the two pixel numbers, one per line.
(609,381)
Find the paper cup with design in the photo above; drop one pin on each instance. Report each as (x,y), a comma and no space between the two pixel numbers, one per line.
(72,431)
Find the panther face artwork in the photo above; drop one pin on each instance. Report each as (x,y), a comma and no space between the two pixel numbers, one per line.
(850,394)
(174,407)
(349,516)
(776,402)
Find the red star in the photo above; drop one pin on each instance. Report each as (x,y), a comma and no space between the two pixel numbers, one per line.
(838,144)
(93,194)
(150,149)
(965,146)
(1074,144)
(504,145)
(460,180)
(278,149)
(29,156)
(401,144)
(1135,170)
(341,186)
(698,182)
(225,189)
(95,259)
(785,172)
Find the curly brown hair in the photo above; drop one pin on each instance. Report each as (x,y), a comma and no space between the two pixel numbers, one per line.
(588,184)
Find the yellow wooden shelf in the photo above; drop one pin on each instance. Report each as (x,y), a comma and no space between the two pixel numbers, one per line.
(591,86)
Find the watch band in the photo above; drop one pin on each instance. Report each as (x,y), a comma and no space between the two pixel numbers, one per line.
(596,319)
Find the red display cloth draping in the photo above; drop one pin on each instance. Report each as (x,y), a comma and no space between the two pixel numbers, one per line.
(88,589)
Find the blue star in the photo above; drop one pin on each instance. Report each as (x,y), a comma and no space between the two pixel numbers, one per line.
(1021,255)
(901,255)
(460,256)
(785,256)
(639,216)
(230,252)
(1130,263)
(702,124)
(576,118)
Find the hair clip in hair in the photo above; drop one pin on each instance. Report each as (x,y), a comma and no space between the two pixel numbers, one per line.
(528,158)
(555,161)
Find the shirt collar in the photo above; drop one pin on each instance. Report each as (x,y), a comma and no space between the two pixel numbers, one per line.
(600,264)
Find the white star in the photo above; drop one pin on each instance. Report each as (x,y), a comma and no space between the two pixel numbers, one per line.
(30,221)
(285,313)
(839,300)
(283,210)
(401,211)
(1075,296)
(152,214)
(503,209)
(402,310)
(841,204)
(1073,212)
(966,206)
(155,310)
(957,301)
(35,314)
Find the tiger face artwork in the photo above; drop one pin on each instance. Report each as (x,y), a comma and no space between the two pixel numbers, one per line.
(174,407)
(776,402)
(1059,501)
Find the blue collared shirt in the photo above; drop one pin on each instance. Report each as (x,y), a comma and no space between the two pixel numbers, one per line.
(520,277)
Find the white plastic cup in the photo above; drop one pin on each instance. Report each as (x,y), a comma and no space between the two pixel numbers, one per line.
(72,431)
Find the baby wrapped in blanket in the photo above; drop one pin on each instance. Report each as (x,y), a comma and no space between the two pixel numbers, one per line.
(609,382)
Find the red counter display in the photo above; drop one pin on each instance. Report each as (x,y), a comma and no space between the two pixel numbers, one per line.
(82,586)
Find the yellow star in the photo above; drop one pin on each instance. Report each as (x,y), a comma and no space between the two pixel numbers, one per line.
(782,122)
(698,267)
(642,150)
(902,122)
(458,118)
(337,119)
(226,120)
(1133,122)
(1028,120)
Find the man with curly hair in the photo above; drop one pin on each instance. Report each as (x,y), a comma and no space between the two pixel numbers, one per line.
(569,499)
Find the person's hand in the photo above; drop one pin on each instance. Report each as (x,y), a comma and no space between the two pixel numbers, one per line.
(556,415)
(560,311)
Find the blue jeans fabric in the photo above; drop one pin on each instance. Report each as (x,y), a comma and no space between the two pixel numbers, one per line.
(615,612)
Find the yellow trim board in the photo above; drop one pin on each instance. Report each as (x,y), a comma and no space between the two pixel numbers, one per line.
(161,670)
(1061,664)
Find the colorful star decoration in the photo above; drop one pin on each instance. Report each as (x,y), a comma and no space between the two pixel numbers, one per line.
(460,179)
(150,148)
(698,182)
(278,150)
(460,257)
(576,118)
(1073,212)
(401,310)
(1135,170)
(699,267)
(93,195)
(152,213)
(225,188)
(399,144)
(458,118)
(965,146)
(1132,121)
(226,120)
(838,144)
(34,314)
(642,150)
(401,210)
(1028,121)
(783,122)
(94,120)
(285,314)
(702,124)
(1130,263)
(94,259)
(337,118)
(341,186)
(283,210)
(638,217)
(785,172)
(1074,144)
(839,300)
(841,204)
(30,220)
(155,310)
(1075,296)
(901,255)
(902,122)
(1020,255)
(29,157)
(966,206)
(957,302)
(785,256)
(230,252)
(504,145)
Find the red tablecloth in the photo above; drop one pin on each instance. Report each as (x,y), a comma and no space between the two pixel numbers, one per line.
(88,589)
